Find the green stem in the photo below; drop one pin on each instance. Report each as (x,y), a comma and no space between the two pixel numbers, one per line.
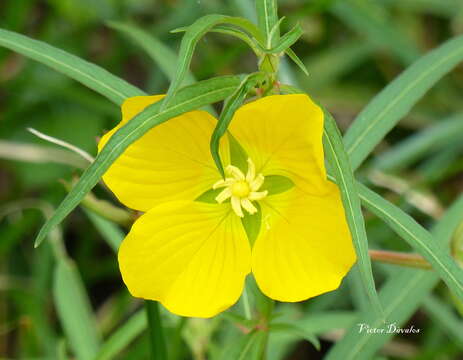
(246,306)
(155,331)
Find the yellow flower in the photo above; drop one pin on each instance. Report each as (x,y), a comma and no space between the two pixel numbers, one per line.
(193,256)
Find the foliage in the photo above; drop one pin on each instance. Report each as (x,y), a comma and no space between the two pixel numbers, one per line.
(387,71)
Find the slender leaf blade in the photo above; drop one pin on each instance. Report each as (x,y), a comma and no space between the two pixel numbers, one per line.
(417,237)
(423,142)
(287,40)
(396,100)
(232,103)
(337,157)
(187,99)
(74,310)
(191,37)
(267,19)
(123,336)
(158,52)
(90,75)
(402,294)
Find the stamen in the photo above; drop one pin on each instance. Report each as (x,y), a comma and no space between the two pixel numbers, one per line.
(257,195)
(223,183)
(235,172)
(224,195)
(249,207)
(236,206)
(257,182)
(251,174)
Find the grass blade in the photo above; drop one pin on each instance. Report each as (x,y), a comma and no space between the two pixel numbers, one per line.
(155,331)
(163,56)
(442,314)
(365,20)
(416,146)
(110,232)
(123,336)
(396,100)
(187,99)
(74,310)
(402,294)
(339,164)
(90,75)
(417,237)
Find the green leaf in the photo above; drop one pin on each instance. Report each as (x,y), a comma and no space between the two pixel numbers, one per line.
(287,40)
(339,164)
(192,35)
(123,336)
(292,55)
(90,75)
(396,100)
(380,31)
(110,232)
(249,347)
(417,237)
(443,315)
(276,184)
(267,19)
(242,35)
(402,294)
(421,143)
(238,155)
(155,331)
(289,328)
(163,56)
(74,310)
(209,196)
(187,99)
(232,103)
(252,224)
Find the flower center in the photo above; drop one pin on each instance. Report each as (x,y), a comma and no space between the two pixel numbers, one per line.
(241,189)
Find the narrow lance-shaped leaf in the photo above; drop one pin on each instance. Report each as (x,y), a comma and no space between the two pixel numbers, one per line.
(74,310)
(163,56)
(189,98)
(232,103)
(191,37)
(90,75)
(156,331)
(421,143)
(339,164)
(396,100)
(402,294)
(123,336)
(287,40)
(292,55)
(267,19)
(380,31)
(417,237)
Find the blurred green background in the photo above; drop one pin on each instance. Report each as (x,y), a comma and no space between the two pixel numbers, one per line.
(352,49)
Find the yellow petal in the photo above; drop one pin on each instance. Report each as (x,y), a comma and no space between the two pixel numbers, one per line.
(193,257)
(304,248)
(170,162)
(282,134)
